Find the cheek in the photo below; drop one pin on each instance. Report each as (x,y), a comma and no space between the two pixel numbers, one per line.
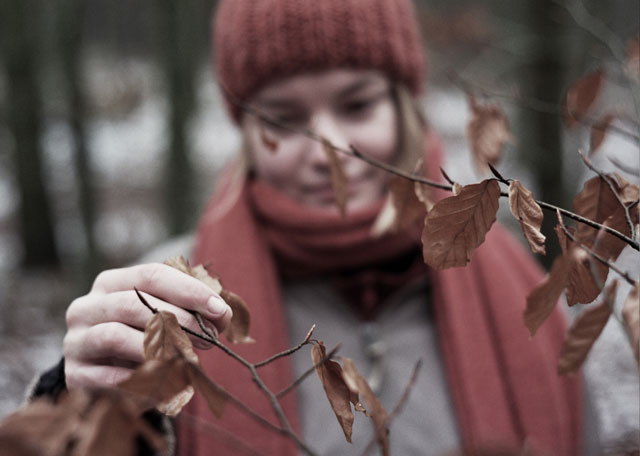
(276,167)
(379,136)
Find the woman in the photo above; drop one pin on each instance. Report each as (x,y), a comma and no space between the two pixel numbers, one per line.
(349,71)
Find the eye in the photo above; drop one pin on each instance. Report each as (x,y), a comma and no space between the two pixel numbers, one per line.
(358,105)
(281,121)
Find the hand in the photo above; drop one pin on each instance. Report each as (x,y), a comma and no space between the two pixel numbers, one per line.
(105,328)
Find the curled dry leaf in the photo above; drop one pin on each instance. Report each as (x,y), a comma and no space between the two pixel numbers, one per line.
(581,96)
(528,212)
(160,383)
(269,143)
(407,208)
(338,394)
(631,317)
(112,427)
(584,332)
(80,423)
(599,132)
(596,201)
(487,130)
(586,275)
(338,177)
(386,219)
(457,225)
(238,329)
(424,193)
(379,416)
(543,299)
(164,339)
(215,396)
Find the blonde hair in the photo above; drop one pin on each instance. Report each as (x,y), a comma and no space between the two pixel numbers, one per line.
(411,128)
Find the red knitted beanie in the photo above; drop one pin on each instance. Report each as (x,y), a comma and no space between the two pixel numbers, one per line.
(259,41)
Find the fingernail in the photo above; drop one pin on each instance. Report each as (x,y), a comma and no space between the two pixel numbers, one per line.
(217,307)
(202,344)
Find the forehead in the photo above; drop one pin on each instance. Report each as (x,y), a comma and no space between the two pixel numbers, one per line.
(319,86)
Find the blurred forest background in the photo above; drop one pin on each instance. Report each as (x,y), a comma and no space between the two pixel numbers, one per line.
(112,130)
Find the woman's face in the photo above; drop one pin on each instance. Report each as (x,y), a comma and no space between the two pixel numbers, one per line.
(347,107)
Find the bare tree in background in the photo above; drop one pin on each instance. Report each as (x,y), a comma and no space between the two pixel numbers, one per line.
(179,58)
(20,48)
(69,26)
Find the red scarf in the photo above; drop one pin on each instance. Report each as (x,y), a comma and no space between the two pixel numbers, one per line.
(504,386)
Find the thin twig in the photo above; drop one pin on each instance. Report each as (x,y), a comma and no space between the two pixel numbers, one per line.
(613,189)
(545,107)
(284,422)
(352,151)
(600,31)
(399,405)
(288,352)
(308,372)
(613,267)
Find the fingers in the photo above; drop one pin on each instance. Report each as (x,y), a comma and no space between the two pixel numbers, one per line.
(125,307)
(81,375)
(104,341)
(165,283)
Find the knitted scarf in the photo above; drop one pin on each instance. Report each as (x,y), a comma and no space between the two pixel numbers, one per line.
(504,387)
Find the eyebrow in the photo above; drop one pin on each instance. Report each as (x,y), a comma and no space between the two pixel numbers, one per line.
(358,86)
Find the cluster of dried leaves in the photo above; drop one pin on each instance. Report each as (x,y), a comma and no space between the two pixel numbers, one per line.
(112,421)
(606,210)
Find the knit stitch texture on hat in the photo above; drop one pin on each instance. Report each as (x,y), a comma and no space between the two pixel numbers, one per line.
(259,41)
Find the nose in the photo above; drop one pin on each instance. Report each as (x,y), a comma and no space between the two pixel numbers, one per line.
(328,127)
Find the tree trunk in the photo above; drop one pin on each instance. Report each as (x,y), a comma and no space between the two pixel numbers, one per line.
(179,57)
(19,19)
(541,144)
(70,21)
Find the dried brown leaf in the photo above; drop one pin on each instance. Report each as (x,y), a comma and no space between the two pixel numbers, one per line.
(338,177)
(215,396)
(199,272)
(597,201)
(488,130)
(599,132)
(543,299)
(586,279)
(424,193)
(631,318)
(112,427)
(164,384)
(581,96)
(238,329)
(584,332)
(456,188)
(164,339)
(408,207)
(339,396)
(385,219)
(379,416)
(528,212)
(80,423)
(457,225)
(267,141)
(40,429)
(607,245)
